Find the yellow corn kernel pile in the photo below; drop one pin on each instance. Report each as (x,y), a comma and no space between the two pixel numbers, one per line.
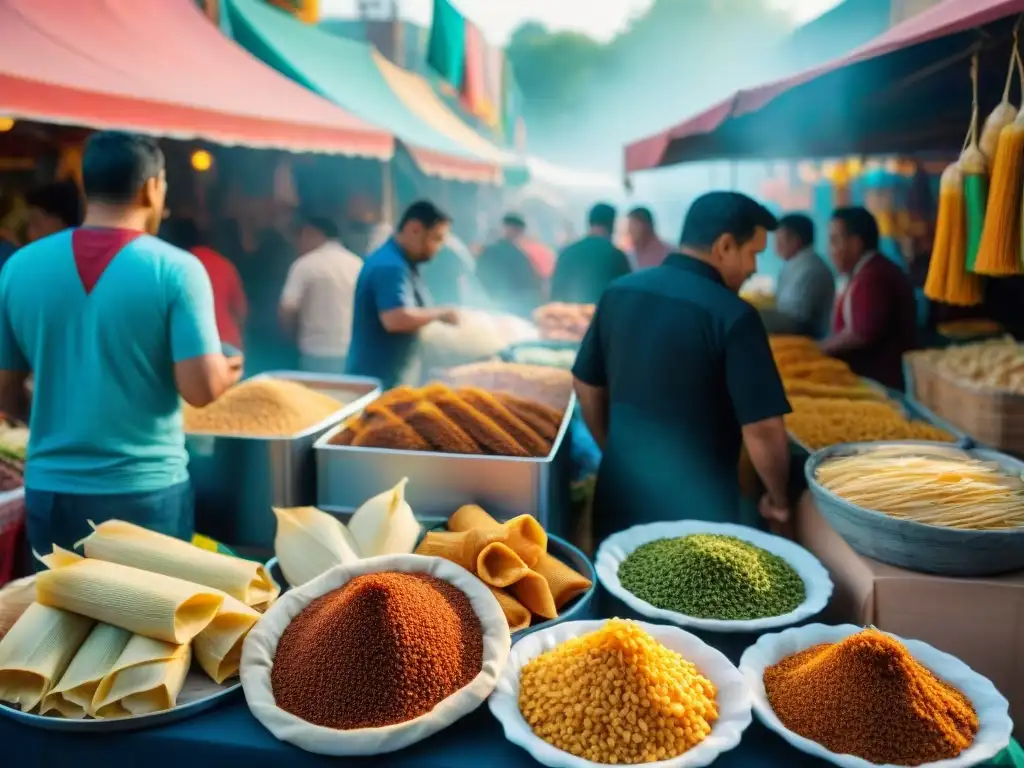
(617,696)
(820,422)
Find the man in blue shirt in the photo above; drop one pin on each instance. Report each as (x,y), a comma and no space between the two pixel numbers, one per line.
(675,374)
(392,304)
(117,327)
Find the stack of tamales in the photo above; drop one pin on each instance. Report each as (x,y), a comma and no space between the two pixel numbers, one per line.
(113,634)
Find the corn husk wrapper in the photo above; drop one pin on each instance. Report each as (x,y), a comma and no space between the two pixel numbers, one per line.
(310,542)
(146,678)
(385,524)
(72,696)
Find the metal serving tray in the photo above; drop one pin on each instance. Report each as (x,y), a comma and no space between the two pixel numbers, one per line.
(440,483)
(238,478)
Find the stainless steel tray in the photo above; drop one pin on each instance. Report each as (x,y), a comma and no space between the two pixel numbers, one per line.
(238,478)
(440,483)
(199,694)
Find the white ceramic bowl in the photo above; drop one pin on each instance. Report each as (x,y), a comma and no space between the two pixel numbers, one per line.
(617,547)
(261,645)
(992,708)
(733,696)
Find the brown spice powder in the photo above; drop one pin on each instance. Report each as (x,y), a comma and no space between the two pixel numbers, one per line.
(383,649)
(867,696)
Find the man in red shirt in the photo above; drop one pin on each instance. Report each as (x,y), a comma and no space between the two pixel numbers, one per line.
(875,318)
(230,305)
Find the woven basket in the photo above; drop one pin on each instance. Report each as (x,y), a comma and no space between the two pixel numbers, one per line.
(911,545)
(989,417)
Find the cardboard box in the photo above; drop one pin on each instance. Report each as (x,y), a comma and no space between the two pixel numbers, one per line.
(980,621)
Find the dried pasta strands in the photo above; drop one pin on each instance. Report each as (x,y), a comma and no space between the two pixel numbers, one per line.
(951,490)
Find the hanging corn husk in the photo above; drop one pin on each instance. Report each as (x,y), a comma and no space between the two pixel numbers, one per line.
(999,251)
(1004,114)
(948,223)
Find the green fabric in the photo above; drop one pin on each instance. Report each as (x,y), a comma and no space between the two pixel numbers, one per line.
(446,52)
(341,70)
(1013,756)
(975,200)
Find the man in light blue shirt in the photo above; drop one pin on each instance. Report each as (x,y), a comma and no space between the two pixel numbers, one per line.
(805,293)
(116,327)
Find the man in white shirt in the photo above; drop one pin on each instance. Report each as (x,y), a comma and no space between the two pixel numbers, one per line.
(316,304)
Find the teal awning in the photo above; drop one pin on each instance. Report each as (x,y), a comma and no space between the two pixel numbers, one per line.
(346,72)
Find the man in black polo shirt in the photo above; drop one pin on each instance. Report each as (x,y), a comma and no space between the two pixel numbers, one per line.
(675,374)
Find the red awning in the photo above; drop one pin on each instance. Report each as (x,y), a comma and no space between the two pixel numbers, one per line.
(947,28)
(160,67)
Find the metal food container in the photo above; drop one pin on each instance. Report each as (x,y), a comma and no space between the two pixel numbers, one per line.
(238,478)
(440,483)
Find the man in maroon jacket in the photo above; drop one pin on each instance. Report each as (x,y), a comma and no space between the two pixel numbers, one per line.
(875,318)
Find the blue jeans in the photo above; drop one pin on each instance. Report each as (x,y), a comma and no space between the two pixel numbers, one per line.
(63,518)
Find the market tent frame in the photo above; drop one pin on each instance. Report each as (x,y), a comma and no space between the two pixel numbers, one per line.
(161,68)
(907,91)
(346,72)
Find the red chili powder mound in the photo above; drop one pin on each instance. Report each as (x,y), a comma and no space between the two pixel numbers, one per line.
(383,649)
(867,696)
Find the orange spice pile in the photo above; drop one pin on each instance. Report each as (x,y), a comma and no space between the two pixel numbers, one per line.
(867,696)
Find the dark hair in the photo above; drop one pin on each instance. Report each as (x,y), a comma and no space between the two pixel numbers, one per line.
(424,212)
(116,164)
(859,222)
(602,215)
(514,220)
(323,225)
(724,213)
(643,215)
(181,232)
(800,226)
(59,199)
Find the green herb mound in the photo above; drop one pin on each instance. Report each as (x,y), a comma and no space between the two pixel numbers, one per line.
(710,576)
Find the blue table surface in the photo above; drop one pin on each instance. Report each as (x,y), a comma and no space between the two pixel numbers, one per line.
(230,736)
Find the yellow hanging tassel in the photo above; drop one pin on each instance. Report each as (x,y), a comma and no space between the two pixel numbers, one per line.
(949,220)
(999,251)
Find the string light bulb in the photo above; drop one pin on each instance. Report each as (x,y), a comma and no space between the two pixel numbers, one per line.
(202,161)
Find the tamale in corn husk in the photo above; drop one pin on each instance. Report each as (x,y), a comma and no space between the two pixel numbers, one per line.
(146,678)
(116,541)
(149,604)
(218,648)
(72,696)
(36,653)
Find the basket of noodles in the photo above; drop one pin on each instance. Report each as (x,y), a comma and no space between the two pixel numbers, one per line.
(375,655)
(862,698)
(924,506)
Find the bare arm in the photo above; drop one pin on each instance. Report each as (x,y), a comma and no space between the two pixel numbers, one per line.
(411,319)
(13,395)
(846,340)
(201,380)
(768,447)
(594,405)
